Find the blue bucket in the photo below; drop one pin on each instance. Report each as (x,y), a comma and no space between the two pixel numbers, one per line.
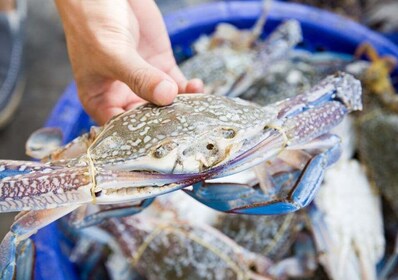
(322,30)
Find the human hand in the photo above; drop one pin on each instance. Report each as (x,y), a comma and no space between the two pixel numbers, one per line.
(120,52)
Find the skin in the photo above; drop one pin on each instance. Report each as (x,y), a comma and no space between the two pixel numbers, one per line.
(7,5)
(120,54)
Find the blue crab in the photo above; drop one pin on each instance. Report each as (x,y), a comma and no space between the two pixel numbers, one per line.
(177,235)
(231,70)
(180,250)
(151,150)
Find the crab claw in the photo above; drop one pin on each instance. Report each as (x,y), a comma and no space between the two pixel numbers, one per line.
(291,190)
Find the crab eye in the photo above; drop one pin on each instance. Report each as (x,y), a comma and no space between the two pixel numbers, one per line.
(210,146)
(228,133)
(268,127)
(163,150)
(159,153)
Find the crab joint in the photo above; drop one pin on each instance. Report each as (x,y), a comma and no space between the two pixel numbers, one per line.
(282,131)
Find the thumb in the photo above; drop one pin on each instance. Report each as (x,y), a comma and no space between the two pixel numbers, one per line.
(145,80)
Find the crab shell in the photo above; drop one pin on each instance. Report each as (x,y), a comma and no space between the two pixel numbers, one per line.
(195,133)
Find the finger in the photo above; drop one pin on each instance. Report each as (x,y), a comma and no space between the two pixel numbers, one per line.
(105,102)
(184,86)
(145,80)
(176,74)
(195,86)
(106,114)
(100,111)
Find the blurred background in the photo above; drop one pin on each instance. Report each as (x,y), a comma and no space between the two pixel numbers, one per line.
(47,72)
(47,68)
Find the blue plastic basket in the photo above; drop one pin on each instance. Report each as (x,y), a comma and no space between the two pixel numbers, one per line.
(322,30)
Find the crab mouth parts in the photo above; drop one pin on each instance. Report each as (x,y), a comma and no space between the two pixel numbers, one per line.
(128,194)
(205,165)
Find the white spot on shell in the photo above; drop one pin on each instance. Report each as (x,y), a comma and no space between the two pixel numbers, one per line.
(136,142)
(147,139)
(134,128)
(145,131)
(125,147)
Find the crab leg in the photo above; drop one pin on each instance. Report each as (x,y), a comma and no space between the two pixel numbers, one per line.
(44,189)
(280,42)
(304,190)
(43,142)
(43,186)
(274,48)
(37,146)
(23,228)
(9,168)
(340,87)
(110,211)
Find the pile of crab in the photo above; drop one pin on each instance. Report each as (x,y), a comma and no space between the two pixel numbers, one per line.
(243,188)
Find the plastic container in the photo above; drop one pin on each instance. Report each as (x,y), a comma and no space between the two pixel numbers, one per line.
(322,30)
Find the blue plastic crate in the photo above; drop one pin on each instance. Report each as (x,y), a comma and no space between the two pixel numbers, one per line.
(322,30)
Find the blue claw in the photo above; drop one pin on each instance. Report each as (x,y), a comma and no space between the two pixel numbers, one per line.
(304,191)
(312,176)
(7,257)
(292,191)
(225,197)
(243,199)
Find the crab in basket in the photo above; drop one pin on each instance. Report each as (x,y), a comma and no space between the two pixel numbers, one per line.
(235,60)
(152,150)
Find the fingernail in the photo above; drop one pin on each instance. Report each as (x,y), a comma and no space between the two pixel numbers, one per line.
(164,92)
